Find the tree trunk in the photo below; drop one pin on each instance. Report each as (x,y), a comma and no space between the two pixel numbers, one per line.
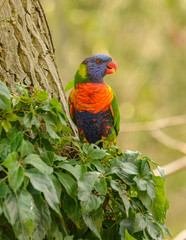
(26,49)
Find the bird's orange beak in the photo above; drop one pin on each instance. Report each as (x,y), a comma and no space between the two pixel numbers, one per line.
(111,68)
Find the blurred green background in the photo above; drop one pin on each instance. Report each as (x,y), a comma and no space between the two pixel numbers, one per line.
(147,40)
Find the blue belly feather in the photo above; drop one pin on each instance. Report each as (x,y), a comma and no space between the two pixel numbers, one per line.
(94,125)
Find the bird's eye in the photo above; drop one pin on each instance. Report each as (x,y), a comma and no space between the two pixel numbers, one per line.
(99,61)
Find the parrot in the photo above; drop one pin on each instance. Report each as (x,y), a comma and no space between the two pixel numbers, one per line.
(93,105)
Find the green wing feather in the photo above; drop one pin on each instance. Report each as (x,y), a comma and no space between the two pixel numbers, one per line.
(116,113)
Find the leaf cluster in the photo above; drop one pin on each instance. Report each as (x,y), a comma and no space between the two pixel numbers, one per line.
(52,187)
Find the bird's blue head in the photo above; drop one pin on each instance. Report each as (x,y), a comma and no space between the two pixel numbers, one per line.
(94,68)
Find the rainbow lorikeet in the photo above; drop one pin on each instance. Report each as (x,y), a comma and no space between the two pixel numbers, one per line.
(92,103)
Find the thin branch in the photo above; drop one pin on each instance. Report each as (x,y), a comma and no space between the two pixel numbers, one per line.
(181,236)
(168,141)
(173,167)
(154,125)
(2,5)
(9,16)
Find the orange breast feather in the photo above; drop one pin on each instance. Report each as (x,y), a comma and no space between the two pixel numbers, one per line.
(91,97)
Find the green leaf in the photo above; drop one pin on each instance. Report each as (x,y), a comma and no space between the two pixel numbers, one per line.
(94,220)
(43,183)
(131,155)
(1,206)
(4,90)
(16,177)
(29,120)
(123,194)
(126,224)
(4,103)
(99,166)
(162,172)
(19,211)
(68,182)
(69,238)
(146,200)
(6,125)
(11,117)
(160,201)
(89,200)
(76,171)
(128,236)
(126,167)
(16,141)
(26,148)
(26,99)
(66,130)
(57,185)
(41,96)
(42,218)
(3,189)
(72,209)
(141,183)
(51,131)
(69,85)
(139,223)
(154,230)
(53,232)
(11,160)
(101,186)
(93,152)
(35,161)
(164,229)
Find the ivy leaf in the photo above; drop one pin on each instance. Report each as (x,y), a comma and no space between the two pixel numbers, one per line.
(53,232)
(89,200)
(42,218)
(72,209)
(3,189)
(128,236)
(101,186)
(69,85)
(160,205)
(162,172)
(43,183)
(57,185)
(41,96)
(164,229)
(19,211)
(26,148)
(51,131)
(68,182)
(4,103)
(1,206)
(69,237)
(16,141)
(35,161)
(11,160)
(6,125)
(16,177)
(29,120)
(94,220)
(139,223)
(76,171)
(126,225)
(131,155)
(93,152)
(11,117)
(99,166)
(154,230)
(4,91)
(123,194)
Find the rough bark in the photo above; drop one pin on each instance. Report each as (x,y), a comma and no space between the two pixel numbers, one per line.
(26,48)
